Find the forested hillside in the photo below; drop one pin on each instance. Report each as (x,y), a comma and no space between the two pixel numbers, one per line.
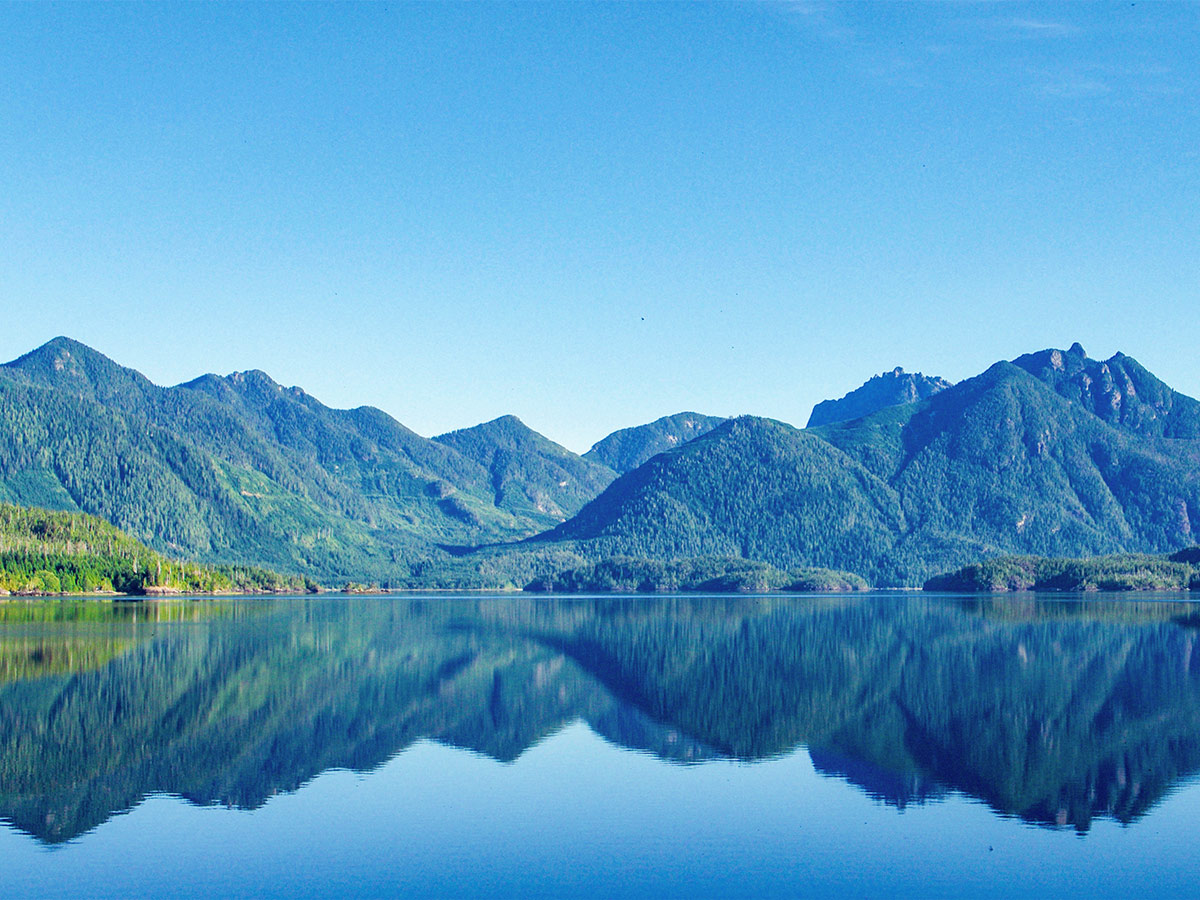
(1051,455)
(751,488)
(1122,572)
(625,450)
(241,469)
(43,552)
(530,475)
(708,574)
(1004,463)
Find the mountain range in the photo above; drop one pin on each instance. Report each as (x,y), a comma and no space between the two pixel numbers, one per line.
(1053,454)
(241,469)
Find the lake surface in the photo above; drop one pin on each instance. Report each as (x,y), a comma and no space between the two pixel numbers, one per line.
(895,744)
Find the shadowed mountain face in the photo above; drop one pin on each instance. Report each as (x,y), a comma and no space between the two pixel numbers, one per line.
(1055,712)
(893,388)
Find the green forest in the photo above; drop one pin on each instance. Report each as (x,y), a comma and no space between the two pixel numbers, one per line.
(1123,572)
(1051,455)
(722,575)
(44,552)
(1029,458)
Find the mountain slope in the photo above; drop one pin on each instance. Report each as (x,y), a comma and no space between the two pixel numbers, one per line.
(237,469)
(530,475)
(1003,463)
(893,388)
(625,450)
(751,487)
(43,552)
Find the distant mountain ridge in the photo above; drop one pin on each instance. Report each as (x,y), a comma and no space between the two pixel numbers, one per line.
(1118,390)
(893,388)
(625,450)
(530,474)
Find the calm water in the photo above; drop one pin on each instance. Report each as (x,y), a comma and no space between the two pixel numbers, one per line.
(498,746)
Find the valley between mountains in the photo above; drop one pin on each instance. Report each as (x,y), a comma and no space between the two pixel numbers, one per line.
(1050,454)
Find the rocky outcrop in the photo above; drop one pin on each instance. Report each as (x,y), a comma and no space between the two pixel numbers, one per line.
(892,388)
(1118,390)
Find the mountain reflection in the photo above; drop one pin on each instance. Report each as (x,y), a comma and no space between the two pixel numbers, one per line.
(1054,712)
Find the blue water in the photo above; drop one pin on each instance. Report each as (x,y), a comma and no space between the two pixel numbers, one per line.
(392,747)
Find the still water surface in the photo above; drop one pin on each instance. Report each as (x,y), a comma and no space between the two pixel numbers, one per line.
(504,746)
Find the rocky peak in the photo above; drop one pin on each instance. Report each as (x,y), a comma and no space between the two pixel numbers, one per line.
(1118,390)
(881,391)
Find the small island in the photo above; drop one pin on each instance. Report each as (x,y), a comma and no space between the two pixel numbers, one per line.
(1121,572)
(708,574)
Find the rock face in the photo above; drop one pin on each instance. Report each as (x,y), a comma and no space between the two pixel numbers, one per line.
(892,388)
(1118,390)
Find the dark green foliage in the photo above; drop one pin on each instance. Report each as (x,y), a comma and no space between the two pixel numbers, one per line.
(822,581)
(751,488)
(706,575)
(1124,572)
(894,388)
(44,552)
(1055,456)
(1001,464)
(239,469)
(530,475)
(1189,555)
(502,568)
(625,450)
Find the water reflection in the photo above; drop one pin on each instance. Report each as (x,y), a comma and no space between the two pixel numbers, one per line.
(1054,712)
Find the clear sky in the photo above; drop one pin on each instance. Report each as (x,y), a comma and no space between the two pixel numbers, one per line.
(592,216)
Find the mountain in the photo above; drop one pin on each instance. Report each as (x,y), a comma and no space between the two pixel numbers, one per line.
(1118,390)
(751,487)
(1053,454)
(625,450)
(530,475)
(239,469)
(1003,463)
(893,388)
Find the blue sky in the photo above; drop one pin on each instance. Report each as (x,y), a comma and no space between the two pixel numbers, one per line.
(591,216)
